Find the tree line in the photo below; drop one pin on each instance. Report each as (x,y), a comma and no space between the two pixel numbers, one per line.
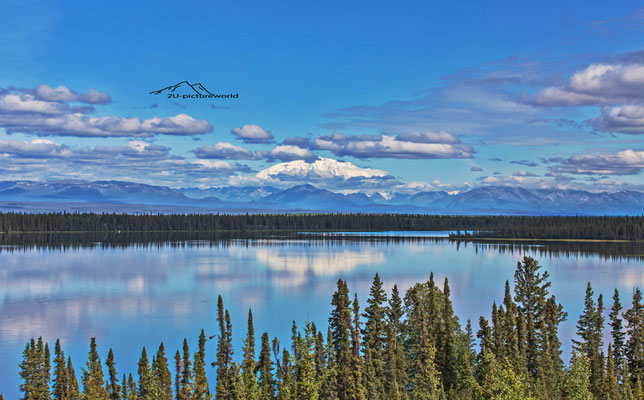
(409,347)
(555,227)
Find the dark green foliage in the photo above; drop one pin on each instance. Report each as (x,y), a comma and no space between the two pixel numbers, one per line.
(265,367)
(113,386)
(397,349)
(93,379)
(161,373)
(623,228)
(60,387)
(201,388)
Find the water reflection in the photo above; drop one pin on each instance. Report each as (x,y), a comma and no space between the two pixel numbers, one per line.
(131,290)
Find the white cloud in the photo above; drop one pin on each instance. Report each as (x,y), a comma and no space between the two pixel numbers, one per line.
(62,93)
(624,119)
(253,134)
(626,162)
(290,153)
(411,146)
(225,151)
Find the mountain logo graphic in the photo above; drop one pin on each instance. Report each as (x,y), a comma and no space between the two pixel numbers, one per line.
(187,90)
(197,88)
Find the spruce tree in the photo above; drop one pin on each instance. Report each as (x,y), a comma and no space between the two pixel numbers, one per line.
(265,367)
(356,388)
(307,384)
(224,352)
(426,379)
(178,374)
(132,388)
(612,385)
(73,389)
(329,384)
(531,292)
(162,374)
(249,378)
(185,392)
(113,387)
(28,371)
(201,389)
(341,325)
(616,332)
(93,378)
(447,352)
(589,330)
(578,378)
(634,348)
(146,380)
(60,387)
(374,334)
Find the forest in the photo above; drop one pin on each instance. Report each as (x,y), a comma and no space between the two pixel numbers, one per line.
(598,228)
(400,346)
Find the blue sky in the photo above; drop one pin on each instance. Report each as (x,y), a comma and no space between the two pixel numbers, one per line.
(420,96)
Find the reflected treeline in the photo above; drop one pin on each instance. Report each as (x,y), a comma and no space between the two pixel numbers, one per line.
(569,249)
(124,240)
(176,240)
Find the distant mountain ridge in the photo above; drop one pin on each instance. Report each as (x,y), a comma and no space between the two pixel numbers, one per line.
(23,195)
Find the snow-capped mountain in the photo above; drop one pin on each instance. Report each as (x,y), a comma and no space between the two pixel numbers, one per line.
(23,196)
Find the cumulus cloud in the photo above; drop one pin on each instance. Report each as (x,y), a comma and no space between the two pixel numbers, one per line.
(80,125)
(290,153)
(253,134)
(46,112)
(297,141)
(476,169)
(62,93)
(411,146)
(627,162)
(625,119)
(597,84)
(134,161)
(523,172)
(37,148)
(225,151)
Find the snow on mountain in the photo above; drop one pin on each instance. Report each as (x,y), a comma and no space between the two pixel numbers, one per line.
(323,168)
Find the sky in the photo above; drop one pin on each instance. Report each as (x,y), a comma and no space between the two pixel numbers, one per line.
(349,96)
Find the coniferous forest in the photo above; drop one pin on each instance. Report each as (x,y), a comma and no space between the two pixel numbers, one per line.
(554,227)
(396,346)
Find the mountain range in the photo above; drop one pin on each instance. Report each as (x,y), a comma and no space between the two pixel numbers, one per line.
(118,196)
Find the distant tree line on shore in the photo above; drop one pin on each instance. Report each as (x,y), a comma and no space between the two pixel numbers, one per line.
(618,228)
(398,347)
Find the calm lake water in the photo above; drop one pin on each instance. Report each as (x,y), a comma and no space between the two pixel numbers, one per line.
(129,292)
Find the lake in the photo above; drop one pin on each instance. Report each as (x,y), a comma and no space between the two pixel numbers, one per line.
(129,291)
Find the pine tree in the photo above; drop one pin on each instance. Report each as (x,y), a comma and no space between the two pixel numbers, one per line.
(426,379)
(28,371)
(531,291)
(578,378)
(307,384)
(396,360)
(447,352)
(374,334)
(340,324)
(329,384)
(74,391)
(185,391)
(224,352)
(616,332)
(178,374)
(162,374)
(146,380)
(60,387)
(611,385)
(589,330)
(265,367)
(124,387)
(93,378)
(131,388)
(249,378)
(113,384)
(356,389)
(509,331)
(634,348)
(45,373)
(201,389)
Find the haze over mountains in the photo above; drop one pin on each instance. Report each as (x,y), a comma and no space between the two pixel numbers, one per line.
(117,196)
